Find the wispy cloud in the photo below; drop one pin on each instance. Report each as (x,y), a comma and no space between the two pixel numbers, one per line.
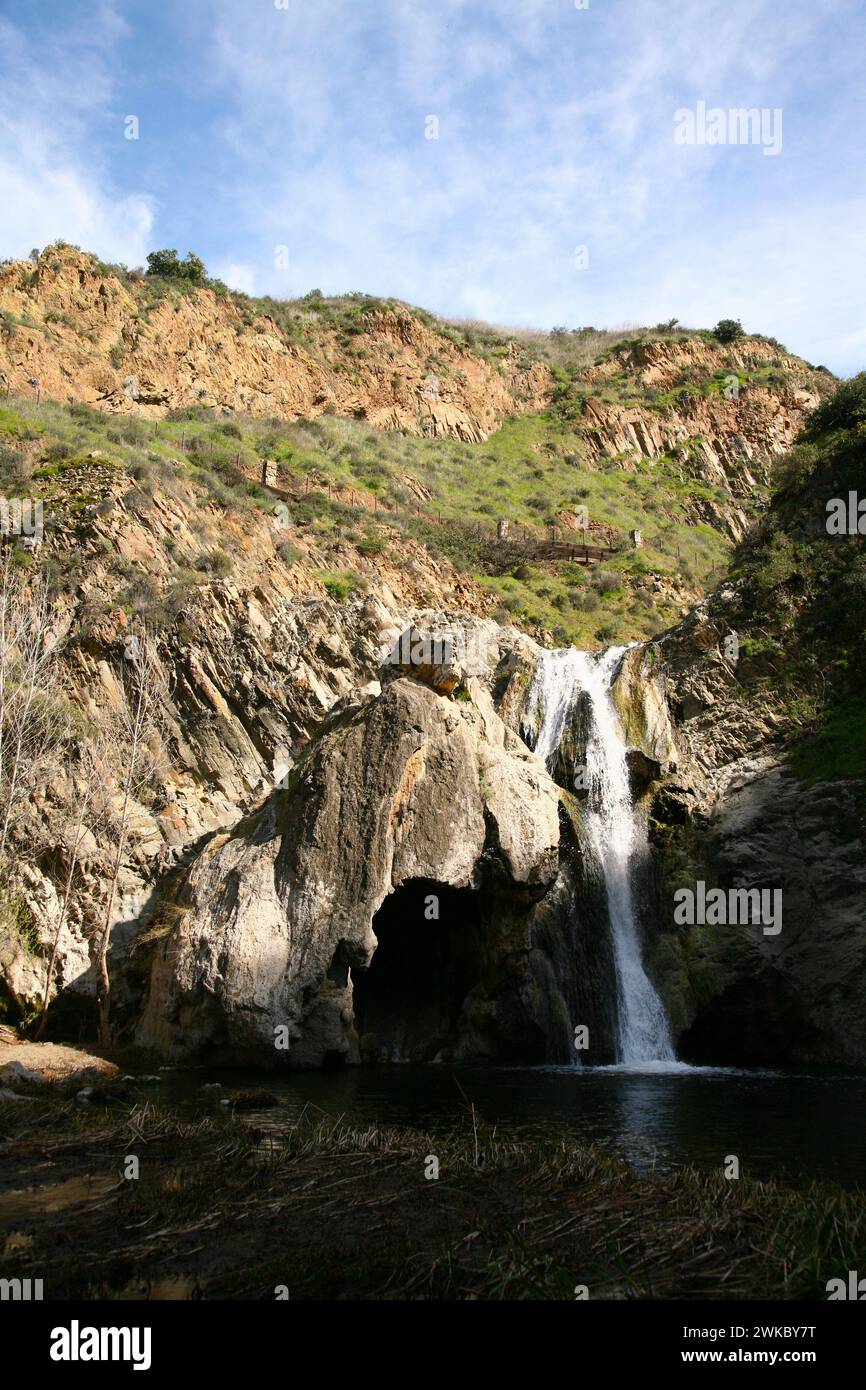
(305,128)
(56,90)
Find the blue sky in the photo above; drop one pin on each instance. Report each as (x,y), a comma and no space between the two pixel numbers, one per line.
(304,127)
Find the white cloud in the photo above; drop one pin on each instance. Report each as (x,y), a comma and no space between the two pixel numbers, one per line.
(556,131)
(238,275)
(52,184)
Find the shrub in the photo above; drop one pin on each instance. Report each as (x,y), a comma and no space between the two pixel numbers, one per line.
(167,264)
(340,584)
(587,601)
(14,467)
(141,595)
(180,594)
(56,451)
(778,563)
(845,409)
(371,545)
(218,563)
(728,330)
(288,553)
(129,430)
(606,581)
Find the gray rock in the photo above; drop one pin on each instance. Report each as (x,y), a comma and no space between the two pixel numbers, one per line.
(411,789)
(728,809)
(15,1074)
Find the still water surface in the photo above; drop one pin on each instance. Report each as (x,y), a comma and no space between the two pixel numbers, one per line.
(801,1125)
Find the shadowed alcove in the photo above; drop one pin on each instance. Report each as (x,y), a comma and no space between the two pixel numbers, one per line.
(407,1003)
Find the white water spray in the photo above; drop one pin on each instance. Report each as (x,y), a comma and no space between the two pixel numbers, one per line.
(614,829)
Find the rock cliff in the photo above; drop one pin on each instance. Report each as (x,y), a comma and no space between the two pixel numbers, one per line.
(78,331)
(751,710)
(367,856)
(397,902)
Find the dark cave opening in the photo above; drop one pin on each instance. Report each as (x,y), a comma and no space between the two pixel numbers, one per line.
(407,1003)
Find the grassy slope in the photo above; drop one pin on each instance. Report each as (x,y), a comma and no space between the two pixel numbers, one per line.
(528,470)
(532,468)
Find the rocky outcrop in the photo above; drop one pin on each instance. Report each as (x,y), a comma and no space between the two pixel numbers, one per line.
(727,810)
(727,440)
(402,899)
(73,331)
(254,661)
(31,1065)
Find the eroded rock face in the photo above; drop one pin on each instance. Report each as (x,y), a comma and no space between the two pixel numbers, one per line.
(799,994)
(201,348)
(278,919)
(255,660)
(728,810)
(728,439)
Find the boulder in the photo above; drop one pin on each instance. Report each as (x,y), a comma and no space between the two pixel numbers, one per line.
(408,794)
(424,656)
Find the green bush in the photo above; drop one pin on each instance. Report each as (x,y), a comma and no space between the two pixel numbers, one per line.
(728,330)
(371,545)
(340,584)
(845,409)
(167,264)
(777,563)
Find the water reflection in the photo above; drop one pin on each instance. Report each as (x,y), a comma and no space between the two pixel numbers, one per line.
(802,1125)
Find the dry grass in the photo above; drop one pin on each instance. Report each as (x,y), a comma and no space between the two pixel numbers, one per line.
(572,349)
(335,1211)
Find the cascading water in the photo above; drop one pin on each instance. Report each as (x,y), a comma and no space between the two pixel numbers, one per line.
(614,829)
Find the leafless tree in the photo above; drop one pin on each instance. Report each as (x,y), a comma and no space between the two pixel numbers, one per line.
(89,777)
(35,717)
(138,753)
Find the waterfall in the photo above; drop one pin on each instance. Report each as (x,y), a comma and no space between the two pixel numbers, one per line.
(616,833)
